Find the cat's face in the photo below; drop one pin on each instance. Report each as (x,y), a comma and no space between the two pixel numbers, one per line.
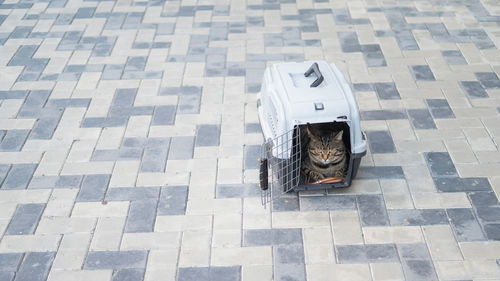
(326,148)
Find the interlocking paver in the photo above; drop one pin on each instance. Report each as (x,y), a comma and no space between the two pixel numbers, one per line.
(127,126)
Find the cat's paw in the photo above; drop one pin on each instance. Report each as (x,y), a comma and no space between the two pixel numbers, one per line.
(339,174)
(316,176)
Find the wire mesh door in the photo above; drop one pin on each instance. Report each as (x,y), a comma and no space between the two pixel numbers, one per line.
(280,161)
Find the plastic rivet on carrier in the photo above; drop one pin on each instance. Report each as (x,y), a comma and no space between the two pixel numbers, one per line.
(319,106)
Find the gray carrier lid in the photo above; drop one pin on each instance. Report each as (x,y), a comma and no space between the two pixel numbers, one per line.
(323,103)
(289,98)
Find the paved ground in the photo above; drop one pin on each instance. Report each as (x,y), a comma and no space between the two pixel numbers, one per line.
(129,138)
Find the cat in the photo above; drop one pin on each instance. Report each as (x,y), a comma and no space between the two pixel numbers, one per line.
(324,154)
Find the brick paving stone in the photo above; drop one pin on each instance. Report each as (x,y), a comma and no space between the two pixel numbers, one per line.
(207,135)
(141,216)
(237,190)
(465,225)
(115,259)
(154,91)
(372,210)
(417,217)
(35,266)
(380,142)
(173,200)
(367,253)
(25,219)
(19,176)
(421,119)
(129,274)
(10,261)
(93,188)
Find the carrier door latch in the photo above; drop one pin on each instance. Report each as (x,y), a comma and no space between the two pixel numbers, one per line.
(319,106)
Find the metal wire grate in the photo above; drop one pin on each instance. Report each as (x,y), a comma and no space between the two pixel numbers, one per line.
(283,155)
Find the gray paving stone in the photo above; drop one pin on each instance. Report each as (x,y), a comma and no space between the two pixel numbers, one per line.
(141,216)
(272,237)
(237,190)
(14,140)
(93,188)
(349,41)
(288,254)
(405,217)
(285,203)
(225,273)
(37,98)
(19,176)
(440,109)
(124,97)
(454,57)
(155,154)
(115,259)
(117,154)
(419,270)
(43,182)
(492,231)
(387,91)
(129,274)
(488,214)
(372,253)
(473,89)
(327,203)
(69,181)
(440,164)
(484,199)
(289,272)
(252,153)
(380,142)
(25,219)
(173,200)
(164,115)
(465,225)
(421,119)
(44,128)
(35,266)
(207,135)
(489,80)
(14,94)
(181,148)
(4,169)
(372,211)
(135,63)
(6,276)
(456,184)
(422,73)
(383,115)
(214,273)
(132,193)
(251,128)
(189,104)
(413,251)
(193,273)
(380,172)
(10,261)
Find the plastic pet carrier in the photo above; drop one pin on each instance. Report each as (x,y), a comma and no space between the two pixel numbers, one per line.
(294,96)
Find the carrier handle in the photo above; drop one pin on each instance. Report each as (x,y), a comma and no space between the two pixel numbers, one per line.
(314,68)
(264,185)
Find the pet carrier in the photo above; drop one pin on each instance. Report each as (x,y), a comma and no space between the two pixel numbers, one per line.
(294,96)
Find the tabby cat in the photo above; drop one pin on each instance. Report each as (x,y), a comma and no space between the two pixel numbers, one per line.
(324,154)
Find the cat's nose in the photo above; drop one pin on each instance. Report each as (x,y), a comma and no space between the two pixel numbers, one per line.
(325,157)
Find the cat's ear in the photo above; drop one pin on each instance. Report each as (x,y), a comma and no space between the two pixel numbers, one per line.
(309,130)
(338,135)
